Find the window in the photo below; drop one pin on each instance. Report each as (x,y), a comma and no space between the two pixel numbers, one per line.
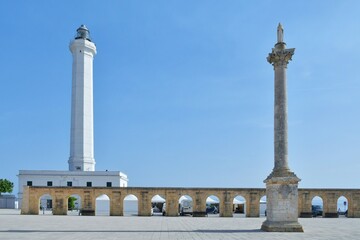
(69,184)
(49,183)
(29,183)
(108,184)
(78,168)
(89,184)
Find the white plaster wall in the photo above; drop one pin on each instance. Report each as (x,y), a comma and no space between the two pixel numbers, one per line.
(7,201)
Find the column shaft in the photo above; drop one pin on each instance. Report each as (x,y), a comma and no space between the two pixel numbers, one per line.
(280,120)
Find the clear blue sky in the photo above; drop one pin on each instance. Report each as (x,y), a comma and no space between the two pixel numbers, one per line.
(183,94)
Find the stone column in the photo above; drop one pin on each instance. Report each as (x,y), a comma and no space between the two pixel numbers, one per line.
(25,207)
(144,204)
(88,203)
(330,205)
(305,205)
(226,205)
(116,204)
(281,184)
(354,205)
(30,202)
(60,205)
(199,204)
(172,203)
(253,205)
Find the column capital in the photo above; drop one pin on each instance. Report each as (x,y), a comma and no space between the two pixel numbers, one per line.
(280,56)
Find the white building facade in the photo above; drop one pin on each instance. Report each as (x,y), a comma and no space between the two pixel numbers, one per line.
(72,179)
(81,161)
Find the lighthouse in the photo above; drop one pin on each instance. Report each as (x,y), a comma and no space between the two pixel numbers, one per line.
(82,115)
(81,162)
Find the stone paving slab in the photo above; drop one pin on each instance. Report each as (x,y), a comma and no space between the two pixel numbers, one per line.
(15,226)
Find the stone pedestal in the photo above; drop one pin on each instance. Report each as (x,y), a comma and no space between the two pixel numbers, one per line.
(282,205)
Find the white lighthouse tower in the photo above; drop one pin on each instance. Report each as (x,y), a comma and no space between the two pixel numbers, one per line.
(81,161)
(82,117)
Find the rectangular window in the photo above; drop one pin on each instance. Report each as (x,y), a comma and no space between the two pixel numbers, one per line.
(69,184)
(108,184)
(29,183)
(89,184)
(49,183)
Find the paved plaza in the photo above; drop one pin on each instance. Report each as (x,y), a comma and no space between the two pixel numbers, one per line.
(16,226)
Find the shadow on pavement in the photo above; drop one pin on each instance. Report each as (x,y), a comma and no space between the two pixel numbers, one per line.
(135,231)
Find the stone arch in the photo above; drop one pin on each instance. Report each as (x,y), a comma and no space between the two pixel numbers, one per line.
(190,195)
(102,205)
(263,206)
(342,205)
(317,206)
(46,203)
(239,206)
(213,202)
(131,205)
(157,204)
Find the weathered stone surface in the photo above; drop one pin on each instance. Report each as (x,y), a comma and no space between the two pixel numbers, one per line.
(282,205)
(282,226)
(252,197)
(281,184)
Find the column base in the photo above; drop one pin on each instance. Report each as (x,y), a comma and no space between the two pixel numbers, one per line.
(199,214)
(269,226)
(331,215)
(282,203)
(306,215)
